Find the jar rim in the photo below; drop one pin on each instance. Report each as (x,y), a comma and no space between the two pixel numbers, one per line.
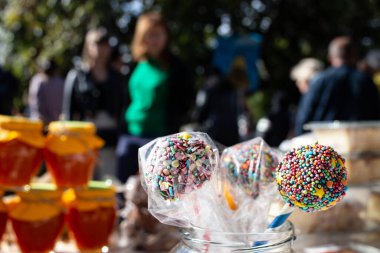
(195,236)
(287,225)
(58,127)
(19,123)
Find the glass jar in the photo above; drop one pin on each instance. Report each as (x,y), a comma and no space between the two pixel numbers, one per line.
(91,215)
(71,152)
(37,217)
(196,240)
(21,144)
(3,217)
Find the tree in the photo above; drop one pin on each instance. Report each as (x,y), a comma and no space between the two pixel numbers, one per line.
(31,30)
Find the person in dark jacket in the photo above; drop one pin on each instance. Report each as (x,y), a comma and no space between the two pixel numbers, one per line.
(341,92)
(160,92)
(94,92)
(8,89)
(275,126)
(217,109)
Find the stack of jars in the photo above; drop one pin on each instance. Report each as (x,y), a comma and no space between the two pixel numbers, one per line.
(38,212)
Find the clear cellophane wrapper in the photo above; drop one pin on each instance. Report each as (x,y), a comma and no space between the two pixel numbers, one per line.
(179,174)
(247,185)
(139,229)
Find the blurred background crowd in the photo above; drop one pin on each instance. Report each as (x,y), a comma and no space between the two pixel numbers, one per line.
(140,69)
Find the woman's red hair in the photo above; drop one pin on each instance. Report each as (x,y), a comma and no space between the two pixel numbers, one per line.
(145,23)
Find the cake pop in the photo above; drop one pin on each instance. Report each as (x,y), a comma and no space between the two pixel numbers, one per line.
(179,164)
(312,177)
(249,163)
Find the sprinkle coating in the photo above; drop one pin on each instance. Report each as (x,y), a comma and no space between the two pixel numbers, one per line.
(248,164)
(312,177)
(179,164)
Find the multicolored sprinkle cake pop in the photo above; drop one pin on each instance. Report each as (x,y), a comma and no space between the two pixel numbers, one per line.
(249,163)
(179,164)
(312,177)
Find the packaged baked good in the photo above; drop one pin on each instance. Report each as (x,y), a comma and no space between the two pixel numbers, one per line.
(348,137)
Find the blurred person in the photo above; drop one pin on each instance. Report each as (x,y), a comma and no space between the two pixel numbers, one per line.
(9,86)
(217,109)
(275,126)
(371,65)
(304,71)
(94,92)
(46,93)
(117,61)
(160,92)
(341,92)
(371,62)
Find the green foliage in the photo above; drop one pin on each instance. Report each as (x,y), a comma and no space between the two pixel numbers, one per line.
(45,29)
(32,30)
(304,28)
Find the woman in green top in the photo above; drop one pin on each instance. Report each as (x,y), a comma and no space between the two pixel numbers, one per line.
(148,90)
(160,92)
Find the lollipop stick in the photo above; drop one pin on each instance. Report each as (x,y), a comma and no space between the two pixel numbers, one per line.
(206,235)
(280,219)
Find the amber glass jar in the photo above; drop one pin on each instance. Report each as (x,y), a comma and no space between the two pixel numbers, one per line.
(3,216)
(21,144)
(91,215)
(37,217)
(71,152)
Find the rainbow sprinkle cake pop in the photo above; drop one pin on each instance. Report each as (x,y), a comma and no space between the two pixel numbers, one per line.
(179,164)
(249,163)
(312,177)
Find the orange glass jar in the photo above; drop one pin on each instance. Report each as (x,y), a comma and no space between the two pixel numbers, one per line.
(71,152)
(3,217)
(37,218)
(21,144)
(91,215)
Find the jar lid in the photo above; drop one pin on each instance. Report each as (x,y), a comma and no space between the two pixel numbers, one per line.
(40,191)
(37,202)
(17,123)
(94,190)
(72,137)
(21,129)
(57,127)
(97,194)
(97,189)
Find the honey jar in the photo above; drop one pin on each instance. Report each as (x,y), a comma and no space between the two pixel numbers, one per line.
(21,143)
(91,215)
(3,217)
(71,152)
(37,217)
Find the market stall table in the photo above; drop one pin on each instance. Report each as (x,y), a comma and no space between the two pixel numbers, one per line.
(368,242)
